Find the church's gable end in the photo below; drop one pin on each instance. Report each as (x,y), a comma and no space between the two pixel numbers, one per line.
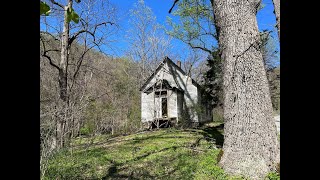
(165,70)
(169,94)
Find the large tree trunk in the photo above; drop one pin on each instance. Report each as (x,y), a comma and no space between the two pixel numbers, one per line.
(250,144)
(63,83)
(64,54)
(276,4)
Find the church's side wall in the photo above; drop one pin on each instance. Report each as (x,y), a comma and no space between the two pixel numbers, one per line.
(147,107)
(172,104)
(190,95)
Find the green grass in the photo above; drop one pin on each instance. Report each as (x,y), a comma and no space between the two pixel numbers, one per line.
(273,176)
(162,154)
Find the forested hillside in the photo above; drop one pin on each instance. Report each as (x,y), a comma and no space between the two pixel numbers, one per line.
(103,92)
(104,97)
(274,83)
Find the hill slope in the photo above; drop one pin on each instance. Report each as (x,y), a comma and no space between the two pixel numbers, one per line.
(162,154)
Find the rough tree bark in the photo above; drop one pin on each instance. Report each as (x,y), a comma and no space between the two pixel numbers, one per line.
(250,147)
(64,54)
(276,4)
(63,75)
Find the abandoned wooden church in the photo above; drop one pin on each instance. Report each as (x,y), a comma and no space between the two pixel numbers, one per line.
(170,96)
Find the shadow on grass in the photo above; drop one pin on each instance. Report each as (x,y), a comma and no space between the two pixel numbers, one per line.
(138,173)
(113,173)
(153,138)
(120,171)
(138,167)
(215,134)
(118,139)
(117,169)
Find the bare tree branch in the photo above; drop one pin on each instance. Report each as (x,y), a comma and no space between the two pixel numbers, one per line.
(86,31)
(173,6)
(56,3)
(46,55)
(78,33)
(199,47)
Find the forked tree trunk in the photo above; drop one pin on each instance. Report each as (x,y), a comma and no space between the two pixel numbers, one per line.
(250,144)
(276,4)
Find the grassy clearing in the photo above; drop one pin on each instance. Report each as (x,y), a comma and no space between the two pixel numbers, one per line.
(162,154)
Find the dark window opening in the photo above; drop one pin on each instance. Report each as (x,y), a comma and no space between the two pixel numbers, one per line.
(164,108)
(160,93)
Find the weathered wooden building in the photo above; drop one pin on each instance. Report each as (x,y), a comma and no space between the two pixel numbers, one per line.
(169,95)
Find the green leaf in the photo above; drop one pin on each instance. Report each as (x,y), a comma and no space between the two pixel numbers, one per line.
(75,17)
(44,8)
(69,16)
(72,15)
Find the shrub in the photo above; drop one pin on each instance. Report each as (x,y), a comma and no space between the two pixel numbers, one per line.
(218,114)
(86,130)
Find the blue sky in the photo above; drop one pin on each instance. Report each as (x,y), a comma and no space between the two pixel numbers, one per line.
(160,10)
(266,20)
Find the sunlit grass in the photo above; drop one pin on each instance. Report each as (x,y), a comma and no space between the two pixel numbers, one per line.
(162,154)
